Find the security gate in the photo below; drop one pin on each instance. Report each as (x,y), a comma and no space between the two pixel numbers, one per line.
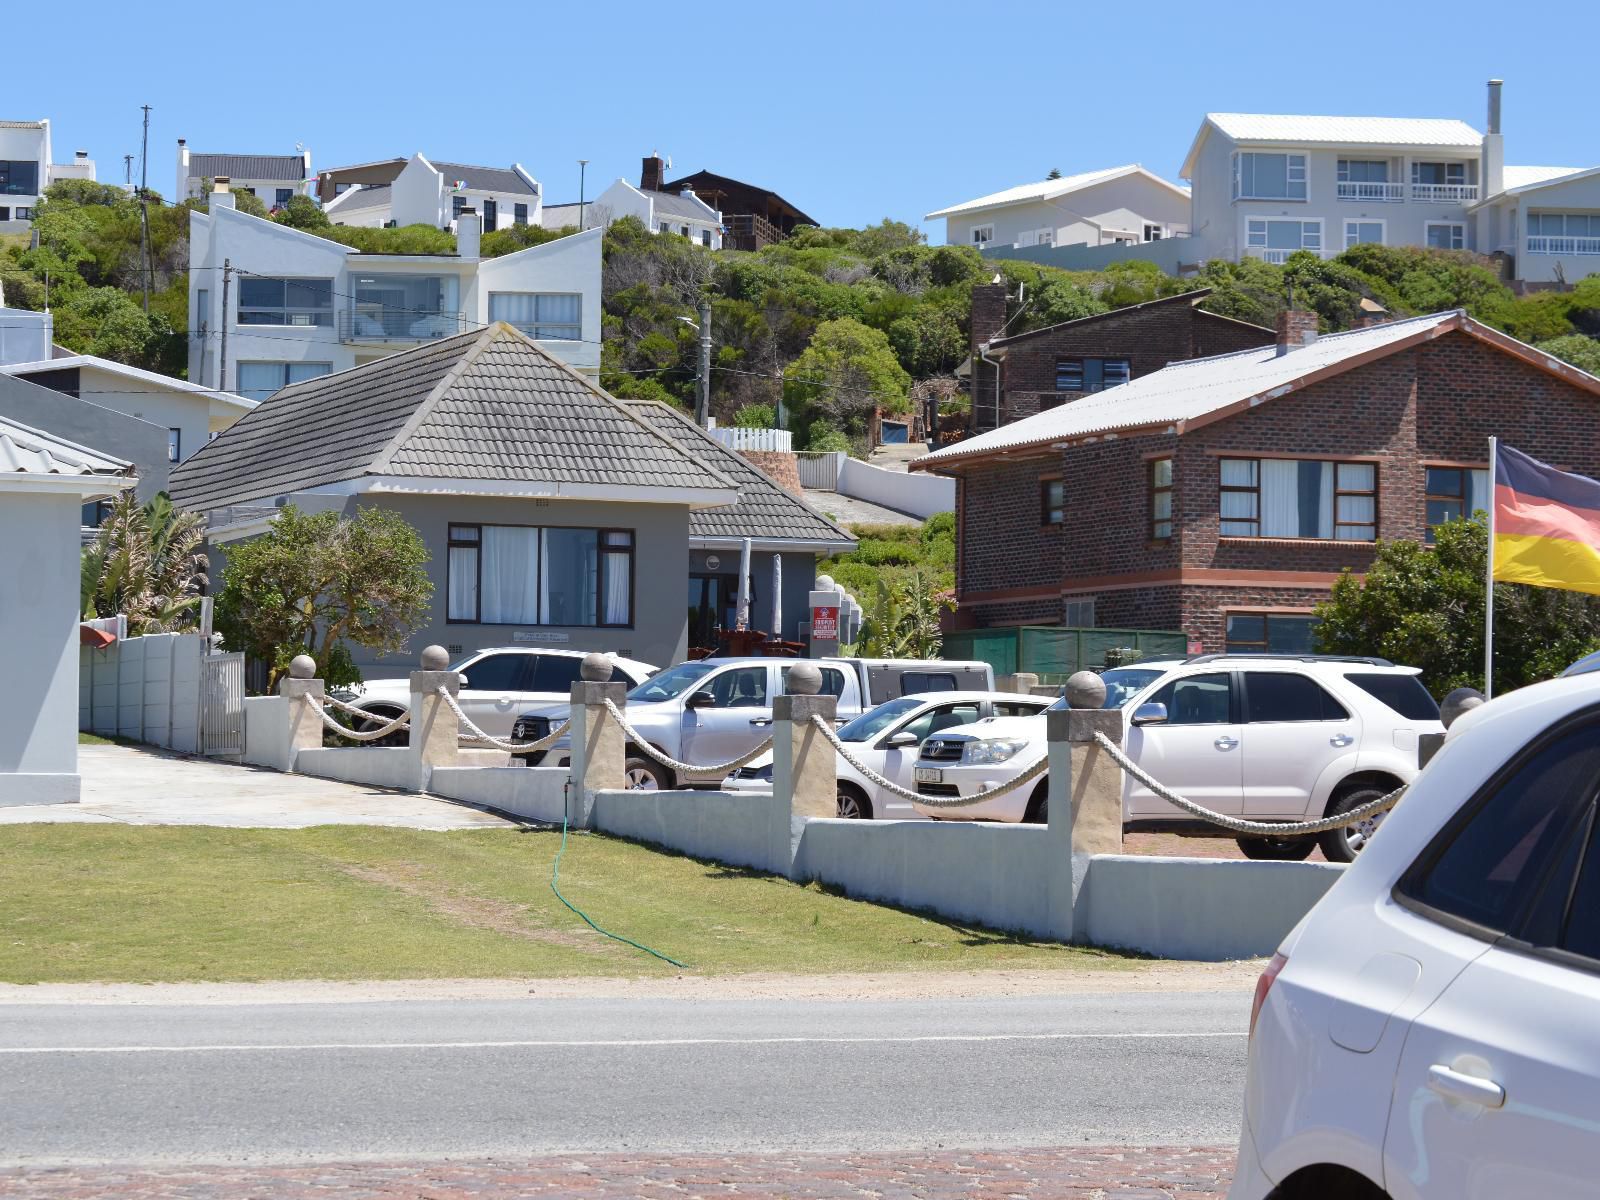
(222,704)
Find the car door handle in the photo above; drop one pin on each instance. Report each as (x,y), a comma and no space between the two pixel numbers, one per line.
(1470,1088)
(1225,742)
(1340,739)
(763,722)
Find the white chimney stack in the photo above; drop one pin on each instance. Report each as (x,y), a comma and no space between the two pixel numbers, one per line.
(1494,147)
(221,193)
(468,233)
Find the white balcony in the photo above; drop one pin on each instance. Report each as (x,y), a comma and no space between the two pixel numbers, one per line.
(1444,193)
(1278,257)
(1564,245)
(1383,193)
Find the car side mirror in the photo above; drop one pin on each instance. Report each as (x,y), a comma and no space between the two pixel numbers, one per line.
(902,740)
(1150,713)
(702,700)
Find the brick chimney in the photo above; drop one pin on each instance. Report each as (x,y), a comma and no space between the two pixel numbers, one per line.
(1296,328)
(653,175)
(988,319)
(988,313)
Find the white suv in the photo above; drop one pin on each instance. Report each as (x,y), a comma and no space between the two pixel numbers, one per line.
(1266,737)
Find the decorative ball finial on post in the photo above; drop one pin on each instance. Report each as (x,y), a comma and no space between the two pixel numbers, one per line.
(1458,703)
(302,666)
(1085,689)
(596,668)
(434,658)
(805,679)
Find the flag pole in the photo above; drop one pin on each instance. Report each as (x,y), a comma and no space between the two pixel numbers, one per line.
(1488,608)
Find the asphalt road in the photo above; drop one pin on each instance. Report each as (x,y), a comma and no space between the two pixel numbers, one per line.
(424,1079)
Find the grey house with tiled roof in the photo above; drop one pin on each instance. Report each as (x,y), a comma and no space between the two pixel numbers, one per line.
(553,513)
(423,191)
(271,178)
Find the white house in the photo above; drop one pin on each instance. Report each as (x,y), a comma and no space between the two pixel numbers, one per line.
(270,178)
(1546,223)
(26,171)
(44,482)
(1116,206)
(422,192)
(299,306)
(684,214)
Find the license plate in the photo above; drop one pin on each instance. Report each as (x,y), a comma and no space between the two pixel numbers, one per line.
(928,775)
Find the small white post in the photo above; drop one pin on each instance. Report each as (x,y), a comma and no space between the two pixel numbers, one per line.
(1488,606)
(599,747)
(435,734)
(804,767)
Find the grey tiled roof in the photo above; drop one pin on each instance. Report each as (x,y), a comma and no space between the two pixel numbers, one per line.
(485,179)
(248,166)
(765,511)
(488,405)
(675,205)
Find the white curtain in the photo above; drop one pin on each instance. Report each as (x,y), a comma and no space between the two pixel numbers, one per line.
(1280,498)
(1361,510)
(1477,492)
(463,583)
(619,586)
(509,590)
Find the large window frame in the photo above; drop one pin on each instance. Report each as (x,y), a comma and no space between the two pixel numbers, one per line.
(1341,492)
(1352,225)
(288,371)
(982,235)
(1247,641)
(1247,172)
(1450,499)
(1092,373)
(303,301)
(1456,239)
(1159,478)
(540,320)
(464,543)
(1258,237)
(19,177)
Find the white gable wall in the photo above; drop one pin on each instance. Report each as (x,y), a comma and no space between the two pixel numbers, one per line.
(1093,216)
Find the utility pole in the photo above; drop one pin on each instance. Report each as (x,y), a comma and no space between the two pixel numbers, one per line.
(583,167)
(127,170)
(703,407)
(222,355)
(144,208)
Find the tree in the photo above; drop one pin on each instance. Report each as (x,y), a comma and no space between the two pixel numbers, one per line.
(302,212)
(315,581)
(847,370)
(1424,607)
(1582,352)
(904,620)
(146,563)
(1055,173)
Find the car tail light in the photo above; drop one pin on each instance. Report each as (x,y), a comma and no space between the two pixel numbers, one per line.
(1264,985)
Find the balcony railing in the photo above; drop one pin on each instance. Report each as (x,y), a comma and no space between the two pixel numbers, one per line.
(1382,192)
(1444,193)
(398,325)
(749,231)
(1564,245)
(1277,257)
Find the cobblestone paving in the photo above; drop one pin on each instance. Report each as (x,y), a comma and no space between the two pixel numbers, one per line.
(1086,1173)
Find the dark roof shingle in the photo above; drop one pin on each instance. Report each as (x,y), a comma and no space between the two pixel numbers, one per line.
(485,179)
(247,166)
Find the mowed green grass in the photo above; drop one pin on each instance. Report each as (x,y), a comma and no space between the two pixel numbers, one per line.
(165,904)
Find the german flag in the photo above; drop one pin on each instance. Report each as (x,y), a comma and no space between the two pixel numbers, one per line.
(1546,524)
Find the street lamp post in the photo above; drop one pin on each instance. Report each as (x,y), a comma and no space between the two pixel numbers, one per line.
(583,167)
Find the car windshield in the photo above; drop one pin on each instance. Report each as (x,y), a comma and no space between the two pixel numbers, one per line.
(672,683)
(1122,685)
(870,724)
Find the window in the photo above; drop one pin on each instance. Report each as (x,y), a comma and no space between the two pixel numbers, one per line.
(458,205)
(281,196)
(22,213)
(258,380)
(532,575)
(174,445)
(1403,694)
(1580,930)
(491,215)
(5,213)
(1198,700)
(1488,862)
(1052,502)
(340,189)
(936,720)
(832,681)
(1270,633)
(1439,174)
(1276,240)
(1152,233)
(557,673)
(519,214)
(705,237)
(554,315)
(1299,498)
(1455,492)
(1363,170)
(1160,498)
(1269,176)
(1358,232)
(1275,697)
(268,301)
(1446,235)
(202,311)
(1563,233)
(914,683)
(1078,614)
(19,178)
(982,235)
(1090,374)
(499,673)
(742,687)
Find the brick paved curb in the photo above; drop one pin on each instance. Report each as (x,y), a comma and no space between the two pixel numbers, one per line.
(1083,1173)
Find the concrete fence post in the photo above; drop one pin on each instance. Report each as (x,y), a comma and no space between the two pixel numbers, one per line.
(804,766)
(304,725)
(1085,795)
(1456,705)
(435,734)
(599,747)
(1022,683)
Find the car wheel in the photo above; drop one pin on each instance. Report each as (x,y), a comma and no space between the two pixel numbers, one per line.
(853,805)
(1271,849)
(646,775)
(1038,812)
(1343,844)
(377,719)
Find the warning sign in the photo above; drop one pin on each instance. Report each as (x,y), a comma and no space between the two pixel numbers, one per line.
(825,623)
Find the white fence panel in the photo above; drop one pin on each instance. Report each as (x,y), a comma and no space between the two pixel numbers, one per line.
(143,688)
(755,439)
(820,469)
(222,704)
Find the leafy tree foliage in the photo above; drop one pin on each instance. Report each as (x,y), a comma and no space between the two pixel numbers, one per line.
(1582,352)
(147,563)
(846,371)
(302,212)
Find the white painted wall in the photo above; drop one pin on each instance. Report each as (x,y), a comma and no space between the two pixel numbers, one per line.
(1090,216)
(743,829)
(919,494)
(1579,196)
(569,264)
(533,793)
(25,336)
(266,733)
(622,199)
(144,688)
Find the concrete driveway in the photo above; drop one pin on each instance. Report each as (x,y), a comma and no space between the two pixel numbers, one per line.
(133,785)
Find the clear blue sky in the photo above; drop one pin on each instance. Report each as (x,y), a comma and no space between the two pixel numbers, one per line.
(852,111)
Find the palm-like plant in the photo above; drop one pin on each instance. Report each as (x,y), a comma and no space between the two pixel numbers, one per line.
(146,563)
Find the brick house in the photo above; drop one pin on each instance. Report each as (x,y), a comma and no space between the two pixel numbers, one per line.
(1043,368)
(1223,496)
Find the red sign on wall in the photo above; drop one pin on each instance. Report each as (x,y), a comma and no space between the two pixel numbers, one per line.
(825,623)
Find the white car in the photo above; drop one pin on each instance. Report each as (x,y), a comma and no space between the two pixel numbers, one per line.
(1263,736)
(499,684)
(1431,1029)
(886,739)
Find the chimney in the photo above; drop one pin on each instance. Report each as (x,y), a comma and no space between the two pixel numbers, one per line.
(1296,328)
(1493,166)
(653,175)
(80,155)
(221,193)
(467,233)
(1372,313)
(988,313)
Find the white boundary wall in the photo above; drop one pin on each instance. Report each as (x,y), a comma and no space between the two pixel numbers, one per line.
(920,494)
(143,688)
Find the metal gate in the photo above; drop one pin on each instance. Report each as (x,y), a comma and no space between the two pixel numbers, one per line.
(819,469)
(222,704)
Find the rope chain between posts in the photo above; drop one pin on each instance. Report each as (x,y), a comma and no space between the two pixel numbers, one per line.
(682,768)
(1010,785)
(369,735)
(1239,824)
(478,735)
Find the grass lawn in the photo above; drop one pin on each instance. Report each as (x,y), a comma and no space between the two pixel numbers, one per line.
(94,739)
(164,904)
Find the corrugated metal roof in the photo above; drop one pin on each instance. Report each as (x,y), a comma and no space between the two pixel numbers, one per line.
(483,406)
(25,449)
(1523,177)
(374,195)
(485,179)
(1045,189)
(1184,391)
(1350,131)
(287,167)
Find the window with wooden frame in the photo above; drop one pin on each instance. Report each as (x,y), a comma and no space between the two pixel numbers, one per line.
(1274,633)
(539,575)
(1052,502)
(1298,498)
(1160,498)
(1453,493)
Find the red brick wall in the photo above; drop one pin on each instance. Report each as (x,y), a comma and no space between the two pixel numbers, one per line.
(1003,545)
(779,466)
